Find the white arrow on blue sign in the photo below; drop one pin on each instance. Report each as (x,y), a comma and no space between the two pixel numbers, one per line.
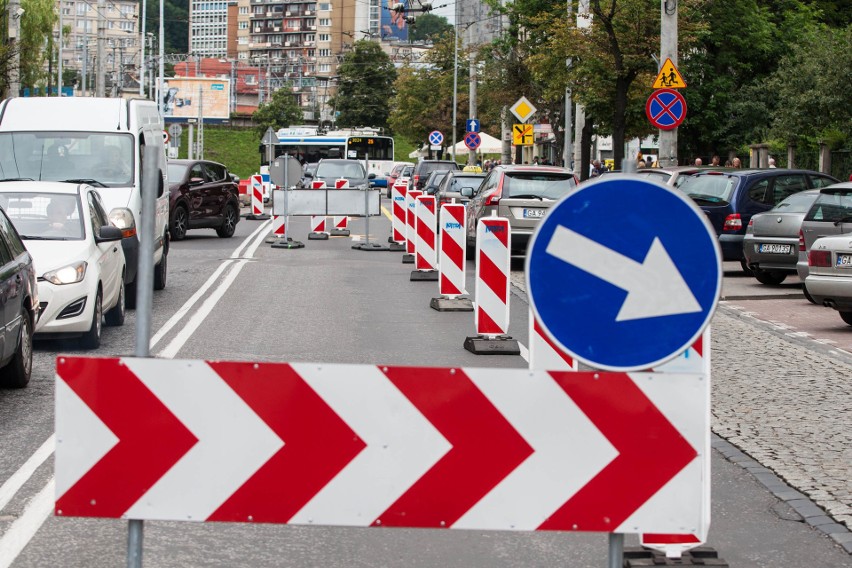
(436,138)
(472,125)
(624,273)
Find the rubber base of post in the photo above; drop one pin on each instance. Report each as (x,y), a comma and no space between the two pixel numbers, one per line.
(261,217)
(370,247)
(451,304)
(317,236)
(340,232)
(288,244)
(396,247)
(501,345)
(700,556)
(408,258)
(424,276)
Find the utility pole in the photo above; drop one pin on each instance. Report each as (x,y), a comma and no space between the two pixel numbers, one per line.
(85,59)
(144,40)
(580,110)
(668,49)
(15,13)
(566,142)
(455,78)
(59,51)
(233,98)
(100,85)
(199,150)
(162,51)
(471,159)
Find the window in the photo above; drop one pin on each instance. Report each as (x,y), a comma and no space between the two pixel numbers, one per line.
(325,21)
(325,6)
(822,181)
(13,241)
(244,10)
(786,186)
(757,192)
(243,25)
(83,8)
(323,37)
(324,52)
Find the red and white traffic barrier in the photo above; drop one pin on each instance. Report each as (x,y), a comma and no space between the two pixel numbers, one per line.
(424,243)
(400,211)
(451,260)
(341,183)
(545,355)
(410,225)
(318,184)
(257,213)
(491,313)
(340,226)
(279,228)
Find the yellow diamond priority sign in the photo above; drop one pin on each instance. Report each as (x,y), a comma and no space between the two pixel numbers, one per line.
(523,109)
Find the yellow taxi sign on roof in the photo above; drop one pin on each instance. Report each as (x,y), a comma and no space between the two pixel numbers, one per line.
(669,77)
(474,169)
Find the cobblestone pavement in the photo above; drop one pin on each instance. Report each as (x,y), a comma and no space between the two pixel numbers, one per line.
(786,401)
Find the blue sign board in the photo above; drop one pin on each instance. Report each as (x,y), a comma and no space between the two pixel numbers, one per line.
(624,273)
(472,140)
(436,138)
(666,109)
(472,125)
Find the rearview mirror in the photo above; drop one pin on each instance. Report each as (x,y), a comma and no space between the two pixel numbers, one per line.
(108,233)
(467,192)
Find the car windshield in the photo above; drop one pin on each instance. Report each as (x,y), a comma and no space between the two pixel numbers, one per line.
(710,188)
(832,207)
(406,171)
(336,170)
(796,203)
(537,185)
(59,156)
(44,216)
(466,181)
(176,172)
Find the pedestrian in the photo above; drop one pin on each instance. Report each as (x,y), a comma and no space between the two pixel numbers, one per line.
(698,162)
(535,160)
(736,163)
(771,162)
(715,161)
(595,168)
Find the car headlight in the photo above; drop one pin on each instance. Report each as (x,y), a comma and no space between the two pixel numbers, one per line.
(122,217)
(67,274)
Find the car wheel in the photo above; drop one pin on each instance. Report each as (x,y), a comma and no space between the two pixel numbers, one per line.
(115,316)
(846,317)
(748,271)
(229,222)
(807,294)
(179,223)
(92,338)
(16,374)
(160,270)
(769,277)
(130,296)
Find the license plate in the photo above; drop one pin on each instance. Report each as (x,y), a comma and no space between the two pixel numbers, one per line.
(844,260)
(775,249)
(533,213)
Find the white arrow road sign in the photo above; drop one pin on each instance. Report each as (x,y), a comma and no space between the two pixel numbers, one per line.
(654,287)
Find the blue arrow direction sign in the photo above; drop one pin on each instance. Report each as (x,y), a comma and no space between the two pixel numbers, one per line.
(436,138)
(472,125)
(615,287)
(472,140)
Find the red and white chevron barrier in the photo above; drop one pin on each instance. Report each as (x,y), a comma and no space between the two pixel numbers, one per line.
(400,211)
(279,227)
(256,189)
(341,223)
(545,355)
(453,254)
(341,183)
(424,245)
(364,445)
(318,184)
(318,223)
(410,225)
(493,239)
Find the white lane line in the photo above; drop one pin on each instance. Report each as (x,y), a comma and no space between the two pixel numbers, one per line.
(20,477)
(27,525)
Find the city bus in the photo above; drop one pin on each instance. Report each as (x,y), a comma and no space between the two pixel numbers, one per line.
(356,144)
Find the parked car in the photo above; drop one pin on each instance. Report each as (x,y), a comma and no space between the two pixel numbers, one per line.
(19,296)
(830,214)
(731,197)
(454,182)
(522,194)
(423,168)
(771,242)
(202,196)
(330,170)
(309,168)
(395,173)
(433,181)
(829,279)
(78,255)
(672,176)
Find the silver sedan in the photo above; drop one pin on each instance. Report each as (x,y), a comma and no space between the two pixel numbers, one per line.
(829,278)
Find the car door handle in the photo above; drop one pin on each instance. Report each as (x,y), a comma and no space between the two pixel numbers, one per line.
(114,249)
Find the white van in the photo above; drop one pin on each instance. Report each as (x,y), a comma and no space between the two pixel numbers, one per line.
(97,141)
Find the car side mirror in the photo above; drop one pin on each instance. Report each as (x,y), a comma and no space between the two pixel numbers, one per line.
(467,192)
(371,176)
(309,175)
(108,233)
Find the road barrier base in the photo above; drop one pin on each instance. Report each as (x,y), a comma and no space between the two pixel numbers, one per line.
(408,258)
(500,345)
(369,247)
(317,236)
(261,217)
(287,244)
(340,232)
(390,240)
(634,557)
(451,304)
(424,276)
(396,247)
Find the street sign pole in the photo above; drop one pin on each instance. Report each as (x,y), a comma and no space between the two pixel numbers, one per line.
(668,50)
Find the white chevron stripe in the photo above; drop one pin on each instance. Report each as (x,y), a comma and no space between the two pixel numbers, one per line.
(82,438)
(488,301)
(401,445)
(543,356)
(569,451)
(233,442)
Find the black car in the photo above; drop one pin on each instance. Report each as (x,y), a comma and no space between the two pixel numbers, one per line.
(332,169)
(434,180)
(731,197)
(423,168)
(203,195)
(19,298)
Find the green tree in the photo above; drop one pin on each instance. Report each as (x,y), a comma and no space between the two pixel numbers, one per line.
(366,83)
(429,27)
(35,44)
(280,112)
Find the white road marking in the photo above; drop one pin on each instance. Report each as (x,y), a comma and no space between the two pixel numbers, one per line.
(20,477)
(24,529)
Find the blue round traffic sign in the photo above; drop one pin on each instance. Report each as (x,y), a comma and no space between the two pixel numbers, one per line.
(624,273)
(436,138)
(666,109)
(472,140)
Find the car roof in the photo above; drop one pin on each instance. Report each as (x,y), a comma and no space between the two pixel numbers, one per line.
(42,186)
(185,162)
(532,168)
(740,172)
(337,161)
(840,187)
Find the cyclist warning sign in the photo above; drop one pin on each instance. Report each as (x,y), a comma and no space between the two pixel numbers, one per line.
(669,77)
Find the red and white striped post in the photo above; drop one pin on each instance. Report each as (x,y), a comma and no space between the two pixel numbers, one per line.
(340,224)
(545,355)
(279,229)
(491,313)
(410,225)
(424,241)
(398,219)
(256,188)
(319,231)
(452,257)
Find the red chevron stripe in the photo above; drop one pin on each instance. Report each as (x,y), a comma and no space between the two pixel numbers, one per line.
(541,333)
(492,276)
(456,211)
(485,448)
(486,325)
(453,252)
(150,438)
(448,288)
(498,224)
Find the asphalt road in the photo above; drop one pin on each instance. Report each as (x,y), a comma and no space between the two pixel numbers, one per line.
(327,303)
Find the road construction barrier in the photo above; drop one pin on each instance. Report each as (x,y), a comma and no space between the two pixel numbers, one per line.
(410,225)
(266,183)
(491,313)
(341,183)
(257,212)
(452,256)
(318,228)
(398,218)
(424,241)
(544,353)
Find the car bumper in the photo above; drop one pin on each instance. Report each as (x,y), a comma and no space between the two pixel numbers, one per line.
(833,291)
(732,246)
(770,261)
(55,299)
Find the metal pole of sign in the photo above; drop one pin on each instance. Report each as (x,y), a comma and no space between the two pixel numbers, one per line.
(367,245)
(144,304)
(616,551)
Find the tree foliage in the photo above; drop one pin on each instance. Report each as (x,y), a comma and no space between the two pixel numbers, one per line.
(35,43)
(280,112)
(366,83)
(429,27)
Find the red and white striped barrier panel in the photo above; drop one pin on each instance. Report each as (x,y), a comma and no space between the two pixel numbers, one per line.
(256,195)
(318,224)
(453,253)
(341,183)
(411,219)
(341,223)
(365,445)
(545,355)
(492,276)
(400,210)
(279,228)
(318,184)
(424,246)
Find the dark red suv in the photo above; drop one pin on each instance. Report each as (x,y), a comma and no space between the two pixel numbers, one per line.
(203,195)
